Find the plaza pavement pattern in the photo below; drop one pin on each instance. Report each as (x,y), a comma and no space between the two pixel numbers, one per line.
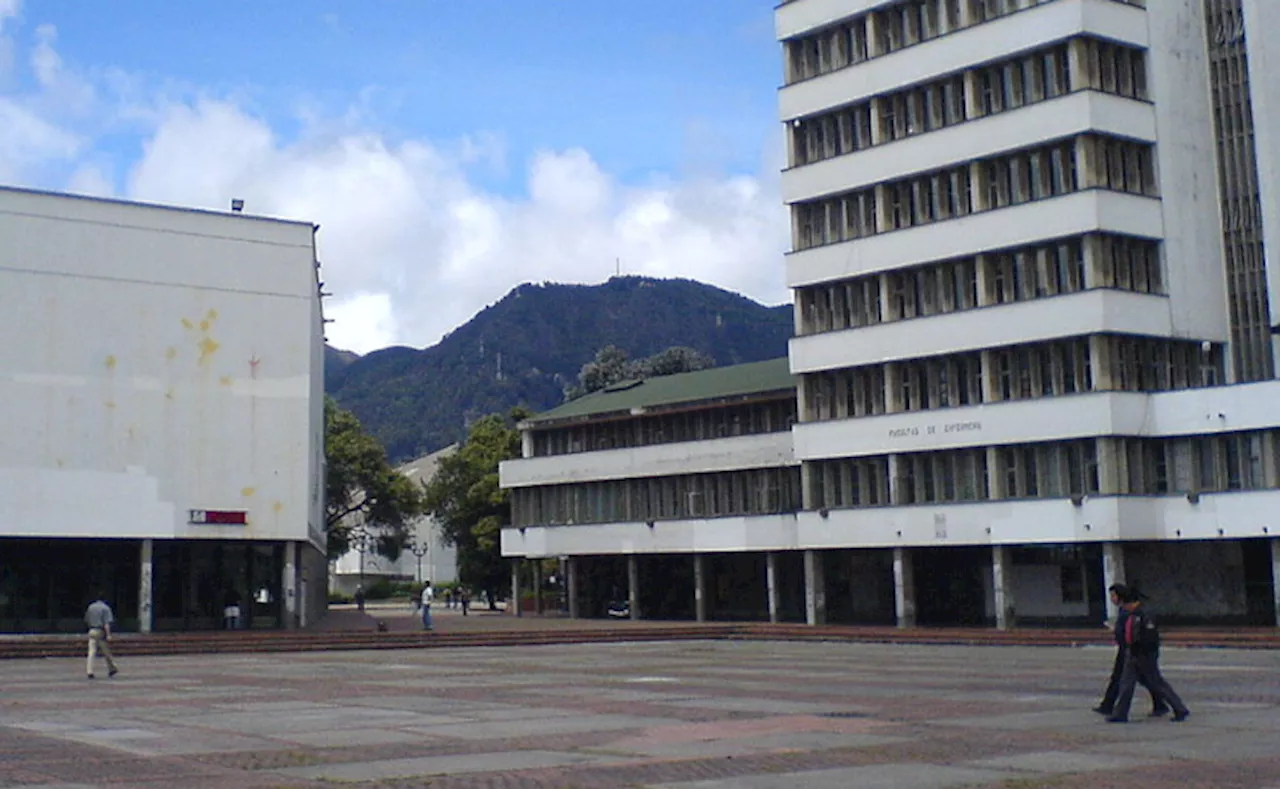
(675,715)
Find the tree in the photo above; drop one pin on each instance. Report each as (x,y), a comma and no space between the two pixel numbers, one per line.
(362,488)
(613,365)
(471,508)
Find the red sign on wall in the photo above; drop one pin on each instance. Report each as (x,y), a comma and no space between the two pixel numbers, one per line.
(218,517)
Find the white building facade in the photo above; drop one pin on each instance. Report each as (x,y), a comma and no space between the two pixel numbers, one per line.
(1034,334)
(1035,339)
(163,435)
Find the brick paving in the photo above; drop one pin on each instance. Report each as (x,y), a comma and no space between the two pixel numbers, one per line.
(678,715)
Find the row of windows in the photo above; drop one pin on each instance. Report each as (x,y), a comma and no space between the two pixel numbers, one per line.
(1143,467)
(1019,274)
(887,30)
(722,422)
(1085,162)
(1021,372)
(765,491)
(1006,85)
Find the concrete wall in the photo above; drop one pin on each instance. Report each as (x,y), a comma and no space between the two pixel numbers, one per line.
(158,361)
(1201,579)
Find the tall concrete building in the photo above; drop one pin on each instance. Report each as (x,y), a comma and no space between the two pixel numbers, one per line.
(1035,324)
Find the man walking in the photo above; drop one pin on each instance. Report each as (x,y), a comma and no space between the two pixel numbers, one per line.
(1142,643)
(1107,707)
(428,596)
(99,618)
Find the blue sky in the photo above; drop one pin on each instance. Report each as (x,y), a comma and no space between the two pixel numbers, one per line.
(639,130)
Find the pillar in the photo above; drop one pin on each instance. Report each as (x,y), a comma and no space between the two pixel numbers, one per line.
(990,377)
(1095,263)
(537,587)
(526,443)
(515,586)
(1077,62)
(815,589)
(1275,577)
(1002,583)
(146,612)
(1111,468)
(1100,363)
(897,493)
(571,585)
(633,585)
(893,403)
(972,96)
(771,584)
(904,588)
(1113,572)
(289,586)
(699,587)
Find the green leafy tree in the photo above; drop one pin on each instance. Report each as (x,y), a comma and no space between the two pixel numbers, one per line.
(471,508)
(362,488)
(613,365)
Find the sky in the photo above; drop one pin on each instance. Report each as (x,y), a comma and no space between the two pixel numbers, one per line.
(449,149)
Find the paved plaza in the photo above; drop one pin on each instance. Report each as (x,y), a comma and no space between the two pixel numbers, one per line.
(697,714)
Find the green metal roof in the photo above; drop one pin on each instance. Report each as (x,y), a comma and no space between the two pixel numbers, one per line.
(714,384)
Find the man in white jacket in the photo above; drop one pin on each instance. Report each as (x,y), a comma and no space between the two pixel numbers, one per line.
(428,595)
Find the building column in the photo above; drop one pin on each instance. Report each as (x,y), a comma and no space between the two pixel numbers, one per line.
(990,377)
(893,388)
(1002,582)
(289,585)
(1086,175)
(526,443)
(1111,471)
(996,487)
(876,121)
(633,585)
(884,217)
(1275,576)
(815,589)
(904,588)
(146,611)
(1100,363)
(972,100)
(571,584)
(982,271)
(897,496)
(699,587)
(1077,62)
(1095,275)
(1113,572)
(515,586)
(537,587)
(771,584)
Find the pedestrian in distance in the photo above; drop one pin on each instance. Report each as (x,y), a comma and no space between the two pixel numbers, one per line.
(1108,704)
(428,596)
(99,618)
(1142,644)
(359,598)
(466,600)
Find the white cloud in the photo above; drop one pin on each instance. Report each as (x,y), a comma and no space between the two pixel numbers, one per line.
(412,244)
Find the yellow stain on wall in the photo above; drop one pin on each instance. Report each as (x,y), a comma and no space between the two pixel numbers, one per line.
(225,380)
(247,492)
(186,324)
(276,507)
(111,362)
(211,315)
(168,393)
(170,352)
(110,404)
(208,347)
(204,325)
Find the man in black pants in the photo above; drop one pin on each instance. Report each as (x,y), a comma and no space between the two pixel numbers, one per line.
(1107,707)
(1142,642)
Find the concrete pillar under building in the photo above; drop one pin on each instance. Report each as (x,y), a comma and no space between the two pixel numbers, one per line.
(537,587)
(146,611)
(699,587)
(289,585)
(633,586)
(1002,583)
(571,584)
(771,583)
(815,589)
(515,586)
(897,495)
(904,588)
(1113,572)
(526,443)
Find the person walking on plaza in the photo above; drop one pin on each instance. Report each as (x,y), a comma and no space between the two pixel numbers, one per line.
(1142,662)
(428,596)
(99,617)
(1107,707)
(466,600)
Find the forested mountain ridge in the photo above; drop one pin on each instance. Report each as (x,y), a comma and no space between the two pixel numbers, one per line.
(526,348)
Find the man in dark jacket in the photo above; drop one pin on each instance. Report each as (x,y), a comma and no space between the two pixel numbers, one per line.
(1142,642)
(1107,707)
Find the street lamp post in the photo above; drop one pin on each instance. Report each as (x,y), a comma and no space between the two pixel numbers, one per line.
(362,541)
(419,550)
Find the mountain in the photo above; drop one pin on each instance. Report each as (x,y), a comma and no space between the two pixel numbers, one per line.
(526,348)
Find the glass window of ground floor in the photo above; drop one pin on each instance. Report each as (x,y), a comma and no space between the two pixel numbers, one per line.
(45,584)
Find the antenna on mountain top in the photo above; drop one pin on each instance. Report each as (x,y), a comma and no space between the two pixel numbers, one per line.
(617,265)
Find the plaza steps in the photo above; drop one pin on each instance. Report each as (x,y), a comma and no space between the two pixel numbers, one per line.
(570,632)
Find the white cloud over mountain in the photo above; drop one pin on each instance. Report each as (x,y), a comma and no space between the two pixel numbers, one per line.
(412,242)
